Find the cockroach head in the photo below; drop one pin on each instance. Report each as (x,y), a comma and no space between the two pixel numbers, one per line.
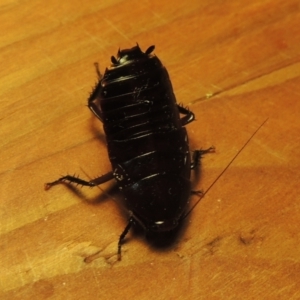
(128,55)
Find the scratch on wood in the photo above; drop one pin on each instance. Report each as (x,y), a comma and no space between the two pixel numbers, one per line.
(212,245)
(116,29)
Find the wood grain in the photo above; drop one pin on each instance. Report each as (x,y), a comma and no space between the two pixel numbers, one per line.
(235,64)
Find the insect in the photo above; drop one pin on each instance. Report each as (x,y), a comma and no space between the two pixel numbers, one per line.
(146,140)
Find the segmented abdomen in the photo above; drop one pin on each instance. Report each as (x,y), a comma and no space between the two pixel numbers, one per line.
(137,99)
(141,120)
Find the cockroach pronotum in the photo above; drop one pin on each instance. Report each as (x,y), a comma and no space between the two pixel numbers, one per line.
(146,140)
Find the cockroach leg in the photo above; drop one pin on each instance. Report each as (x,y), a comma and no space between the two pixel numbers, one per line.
(197,155)
(73,179)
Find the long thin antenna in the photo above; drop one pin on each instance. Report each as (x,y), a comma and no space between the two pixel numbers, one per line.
(230,163)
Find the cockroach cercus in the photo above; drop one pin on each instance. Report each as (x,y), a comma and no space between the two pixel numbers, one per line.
(146,140)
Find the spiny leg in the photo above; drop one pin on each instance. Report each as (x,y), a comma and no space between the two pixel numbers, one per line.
(93,99)
(197,154)
(95,108)
(189,115)
(77,180)
(123,235)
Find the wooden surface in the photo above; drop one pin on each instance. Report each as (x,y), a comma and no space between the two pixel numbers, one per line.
(235,64)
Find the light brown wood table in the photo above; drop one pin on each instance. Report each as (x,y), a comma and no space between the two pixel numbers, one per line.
(235,64)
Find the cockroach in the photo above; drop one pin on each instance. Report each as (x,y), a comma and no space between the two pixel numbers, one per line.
(146,139)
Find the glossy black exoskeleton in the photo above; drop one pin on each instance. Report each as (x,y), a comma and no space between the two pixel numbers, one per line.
(146,139)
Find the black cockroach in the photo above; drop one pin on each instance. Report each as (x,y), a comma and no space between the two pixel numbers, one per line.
(146,140)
